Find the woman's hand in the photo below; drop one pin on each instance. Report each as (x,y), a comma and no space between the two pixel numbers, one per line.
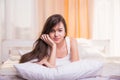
(48,40)
(44,62)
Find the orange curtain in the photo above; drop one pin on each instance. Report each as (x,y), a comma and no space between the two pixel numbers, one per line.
(76,15)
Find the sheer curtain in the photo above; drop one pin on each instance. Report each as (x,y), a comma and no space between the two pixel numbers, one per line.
(106,23)
(17,20)
(1,22)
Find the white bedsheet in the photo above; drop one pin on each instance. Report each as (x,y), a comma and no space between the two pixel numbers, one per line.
(110,71)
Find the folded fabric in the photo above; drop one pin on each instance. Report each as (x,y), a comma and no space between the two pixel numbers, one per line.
(75,70)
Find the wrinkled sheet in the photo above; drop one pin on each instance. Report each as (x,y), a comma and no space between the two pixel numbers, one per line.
(90,78)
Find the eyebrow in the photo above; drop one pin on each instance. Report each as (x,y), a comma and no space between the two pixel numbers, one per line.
(60,28)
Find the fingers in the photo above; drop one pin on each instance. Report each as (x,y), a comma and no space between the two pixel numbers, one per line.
(43,37)
(47,39)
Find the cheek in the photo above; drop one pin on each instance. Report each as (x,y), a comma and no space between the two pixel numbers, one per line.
(51,35)
(63,33)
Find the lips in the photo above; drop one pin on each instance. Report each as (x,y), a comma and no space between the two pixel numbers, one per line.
(56,39)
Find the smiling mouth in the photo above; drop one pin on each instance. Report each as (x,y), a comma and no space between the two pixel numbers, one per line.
(56,39)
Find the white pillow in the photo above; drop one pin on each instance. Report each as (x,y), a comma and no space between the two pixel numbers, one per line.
(72,71)
(88,51)
(22,52)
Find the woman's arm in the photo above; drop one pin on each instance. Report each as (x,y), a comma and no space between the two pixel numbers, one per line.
(74,50)
(44,62)
(52,56)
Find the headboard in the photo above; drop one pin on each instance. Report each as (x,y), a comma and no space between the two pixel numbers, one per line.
(8,44)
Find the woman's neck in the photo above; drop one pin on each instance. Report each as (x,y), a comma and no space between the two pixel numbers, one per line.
(62,43)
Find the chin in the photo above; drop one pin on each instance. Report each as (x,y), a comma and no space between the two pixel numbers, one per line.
(57,42)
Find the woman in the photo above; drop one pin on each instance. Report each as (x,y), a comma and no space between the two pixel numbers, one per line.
(53,48)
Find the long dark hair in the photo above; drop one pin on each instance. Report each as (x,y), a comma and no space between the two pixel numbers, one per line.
(40,49)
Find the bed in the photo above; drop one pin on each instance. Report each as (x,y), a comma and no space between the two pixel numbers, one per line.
(89,49)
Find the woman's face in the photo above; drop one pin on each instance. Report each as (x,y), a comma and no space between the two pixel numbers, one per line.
(57,33)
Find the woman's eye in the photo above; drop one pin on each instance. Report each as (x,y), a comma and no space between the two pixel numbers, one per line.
(60,30)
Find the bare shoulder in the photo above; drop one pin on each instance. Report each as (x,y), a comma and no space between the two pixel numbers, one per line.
(73,41)
(74,50)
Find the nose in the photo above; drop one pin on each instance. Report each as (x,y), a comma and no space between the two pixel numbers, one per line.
(56,34)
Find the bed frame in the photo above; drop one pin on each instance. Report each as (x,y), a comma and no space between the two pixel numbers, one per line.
(8,44)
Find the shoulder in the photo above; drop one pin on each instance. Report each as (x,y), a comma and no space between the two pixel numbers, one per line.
(74,49)
(73,41)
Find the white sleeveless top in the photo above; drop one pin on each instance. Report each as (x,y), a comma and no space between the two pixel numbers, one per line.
(65,60)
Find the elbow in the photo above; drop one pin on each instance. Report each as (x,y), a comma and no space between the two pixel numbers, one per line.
(52,66)
(73,60)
